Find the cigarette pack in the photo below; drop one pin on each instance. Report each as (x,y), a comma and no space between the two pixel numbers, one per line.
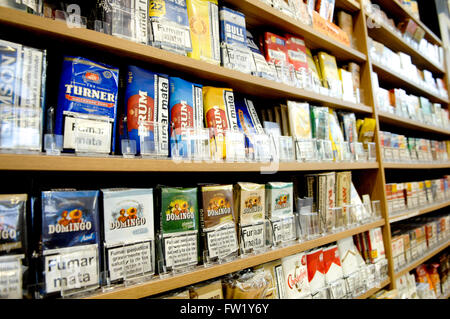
(350,257)
(204,27)
(186,108)
(87,105)
(259,65)
(296,51)
(13,224)
(147,103)
(169,26)
(128,19)
(218,221)
(220,114)
(70,240)
(22,79)
(325,8)
(233,40)
(316,270)
(332,264)
(128,229)
(299,120)
(330,74)
(295,273)
(208,290)
(178,226)
(276,288)
(247,119)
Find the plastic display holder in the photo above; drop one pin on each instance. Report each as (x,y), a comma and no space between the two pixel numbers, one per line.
(92,137)
(235,146)
(388,154)
(283,231)
(177,253)
(322,293)
(11,277)
(376,209)
(338,289)
(371,152)
(382,269)
(344,153)
(404,155)
(306,150)
(350,216)
(221,245)
(335,220)
(128,148)
(253,238)
(395,154)
(153,139)
(325,150)
(138,265)
(310,225)
(80,279)
(372,276)
(53,144)
(262,148)
(191,144)
(102,26)
(286,152)
(73,20)
(359,152)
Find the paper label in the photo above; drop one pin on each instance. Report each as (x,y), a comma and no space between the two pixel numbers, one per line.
(72,269)
(11,279)
(181,250)
(252,237)
(130,260)
(171,34)
(284,230)
(222,242)
(305,150)
(87,135)
(236,58)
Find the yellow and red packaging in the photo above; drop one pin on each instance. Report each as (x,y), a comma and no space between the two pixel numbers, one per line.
(275,50)
(204,27)
(220,114)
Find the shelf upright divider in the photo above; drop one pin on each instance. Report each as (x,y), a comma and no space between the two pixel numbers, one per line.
(378,183)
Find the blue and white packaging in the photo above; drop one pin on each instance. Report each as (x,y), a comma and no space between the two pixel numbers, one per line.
(169,26)
(259,65)
(128,231)
(147,100)
(22,88)
(233,40)
(186,111)
(70,240)
(87,105)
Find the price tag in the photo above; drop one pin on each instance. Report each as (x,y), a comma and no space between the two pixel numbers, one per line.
(87,135)
(10,278)
(284,230)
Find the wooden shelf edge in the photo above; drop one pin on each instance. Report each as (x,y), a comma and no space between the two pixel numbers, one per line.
(244,83)
(403,81)
(417,212)
(349,5)
(421,260)
(389,118)
(405,165)
(204,273)
(372,291)
(71,162)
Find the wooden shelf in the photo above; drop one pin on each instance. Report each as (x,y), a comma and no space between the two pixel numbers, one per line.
(405,165)
(396,43)
(423,259)
(396,80)
(204,273)
(417,212)
(352,6)
(258,14)
(389,118)
(71,162)
(243,83)
(396,9)
(372,291)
